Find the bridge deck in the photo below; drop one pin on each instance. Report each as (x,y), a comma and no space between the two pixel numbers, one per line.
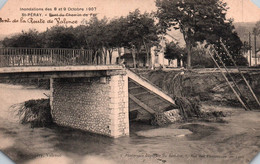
(21,69)
(59,71)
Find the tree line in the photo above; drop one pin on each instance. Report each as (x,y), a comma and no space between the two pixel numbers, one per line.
(201,22)
(134,31)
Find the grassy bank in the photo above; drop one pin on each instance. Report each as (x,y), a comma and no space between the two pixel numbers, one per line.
(207,87)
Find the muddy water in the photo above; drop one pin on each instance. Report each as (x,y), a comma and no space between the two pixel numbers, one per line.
(235,141)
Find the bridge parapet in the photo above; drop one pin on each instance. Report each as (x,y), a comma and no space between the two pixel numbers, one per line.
(14,57)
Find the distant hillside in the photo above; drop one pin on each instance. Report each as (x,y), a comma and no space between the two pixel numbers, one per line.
(243,29)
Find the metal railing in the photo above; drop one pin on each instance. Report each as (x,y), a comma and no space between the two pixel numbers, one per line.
(13,57)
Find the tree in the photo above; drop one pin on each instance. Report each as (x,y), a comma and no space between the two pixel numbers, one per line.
(201,58)
(174,51)
(256,32)
(80,33)
(102,36)
(256,29)
(141,31)
(94,36)
(115,35)
(25,39)
(61,37)
(198,20)
(232,42)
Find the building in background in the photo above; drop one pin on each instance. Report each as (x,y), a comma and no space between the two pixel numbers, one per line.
(154,60)
(255,59)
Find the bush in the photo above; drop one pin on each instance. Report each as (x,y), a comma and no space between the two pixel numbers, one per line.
(36,112)
(188,107)
(200,59)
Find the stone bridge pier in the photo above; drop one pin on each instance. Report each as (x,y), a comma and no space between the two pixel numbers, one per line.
(97,104)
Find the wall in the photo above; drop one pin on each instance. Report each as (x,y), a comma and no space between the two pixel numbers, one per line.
(96,104)
(255,60)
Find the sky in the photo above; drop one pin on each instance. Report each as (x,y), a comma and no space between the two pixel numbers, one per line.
(240,10)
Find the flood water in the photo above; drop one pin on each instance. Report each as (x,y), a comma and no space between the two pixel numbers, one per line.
(235,141)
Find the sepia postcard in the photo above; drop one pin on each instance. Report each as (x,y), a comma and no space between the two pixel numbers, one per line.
(130,81)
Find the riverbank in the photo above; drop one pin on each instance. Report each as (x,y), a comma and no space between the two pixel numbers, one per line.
(209,87)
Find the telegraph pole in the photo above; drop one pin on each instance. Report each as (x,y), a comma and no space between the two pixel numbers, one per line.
(250,54)
(255,51)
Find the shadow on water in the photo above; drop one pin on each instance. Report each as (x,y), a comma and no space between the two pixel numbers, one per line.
(55,139)
(81,142)
(136,126)
(78,141)
(198,131)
